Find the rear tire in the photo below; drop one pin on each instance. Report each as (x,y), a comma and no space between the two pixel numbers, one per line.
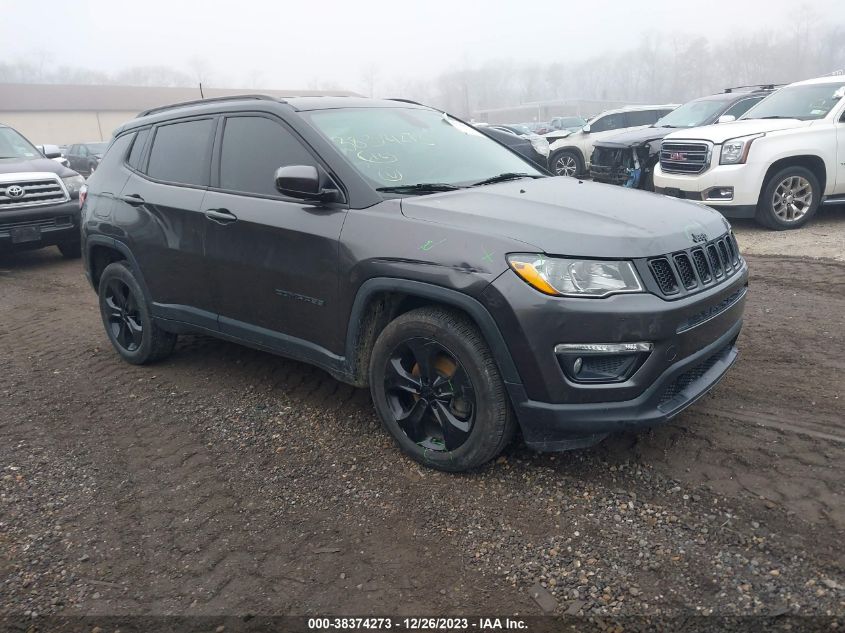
(789,199)
(71,250)
(126,317)
(438,391)
(566,163)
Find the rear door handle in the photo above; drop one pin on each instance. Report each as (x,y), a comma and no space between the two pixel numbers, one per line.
(133,199)
(221,216)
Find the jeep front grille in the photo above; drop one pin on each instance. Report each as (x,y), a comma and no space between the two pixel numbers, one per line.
(30,192)
(684,158)
(697,268)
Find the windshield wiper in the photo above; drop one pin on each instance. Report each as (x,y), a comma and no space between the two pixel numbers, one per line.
(420,187)
(777,116)
(502,178)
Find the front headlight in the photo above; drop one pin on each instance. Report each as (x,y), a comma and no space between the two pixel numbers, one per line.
(73,184)
(540,145)
(735,151)
(575,277)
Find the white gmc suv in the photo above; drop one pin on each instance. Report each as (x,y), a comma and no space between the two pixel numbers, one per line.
(777,163)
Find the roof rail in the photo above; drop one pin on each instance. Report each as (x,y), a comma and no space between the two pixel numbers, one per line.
(755,87)
(208,100)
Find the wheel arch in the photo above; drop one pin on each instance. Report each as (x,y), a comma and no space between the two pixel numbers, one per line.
(380,300)
(569,148)
(811,162)
(102,251)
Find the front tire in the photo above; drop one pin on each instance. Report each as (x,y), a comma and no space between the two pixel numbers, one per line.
(438,391)
(789,199)
(566,163)
(126,317)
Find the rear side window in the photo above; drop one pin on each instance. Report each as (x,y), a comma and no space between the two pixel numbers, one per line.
(644,117)
(609,122)
(253,149)
(137,151)
(181,152)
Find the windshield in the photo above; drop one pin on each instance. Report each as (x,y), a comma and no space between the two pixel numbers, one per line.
(13,145)
(408,146)
(807,102)
(97,148)
(692,114)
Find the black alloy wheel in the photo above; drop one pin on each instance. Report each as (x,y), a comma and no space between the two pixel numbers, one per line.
(430,395)
(127,320)
(124,319)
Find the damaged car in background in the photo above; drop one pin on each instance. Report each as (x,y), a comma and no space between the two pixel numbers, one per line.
(570,151)
(629,158)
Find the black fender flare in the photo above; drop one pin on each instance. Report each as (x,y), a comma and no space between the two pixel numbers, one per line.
(116,245)
(486,323)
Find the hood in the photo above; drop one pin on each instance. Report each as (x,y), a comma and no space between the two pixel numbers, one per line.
(637,136)
(553,136)
(565,216)
(721,132)
(15,165)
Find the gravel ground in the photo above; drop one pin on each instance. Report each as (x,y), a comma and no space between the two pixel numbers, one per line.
(227,480)
(824,236)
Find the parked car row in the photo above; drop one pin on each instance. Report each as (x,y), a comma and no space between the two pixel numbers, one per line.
(629,158)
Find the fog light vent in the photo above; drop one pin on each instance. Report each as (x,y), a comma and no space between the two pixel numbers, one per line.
(601,362)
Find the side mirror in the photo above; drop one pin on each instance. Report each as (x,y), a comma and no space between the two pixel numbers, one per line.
(586,129)
(305,182)
(726,118)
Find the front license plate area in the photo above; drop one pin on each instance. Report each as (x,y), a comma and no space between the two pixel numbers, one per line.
(674,192)
(23,234)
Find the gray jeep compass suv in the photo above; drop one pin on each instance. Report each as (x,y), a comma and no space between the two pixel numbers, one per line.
(397,247)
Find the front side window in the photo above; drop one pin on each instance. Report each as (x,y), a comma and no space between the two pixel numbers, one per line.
(394,147)
(806,102)
(740,108)
(253,149)
(181,151)
(13,145)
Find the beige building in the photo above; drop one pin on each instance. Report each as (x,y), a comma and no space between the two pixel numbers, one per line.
(61,115)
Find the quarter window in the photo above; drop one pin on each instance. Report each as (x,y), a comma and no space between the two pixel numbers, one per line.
(181,152)
(254,148)
(138,148)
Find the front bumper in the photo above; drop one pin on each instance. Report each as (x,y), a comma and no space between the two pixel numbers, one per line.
(36,227)
(693,346)
(746,180)
(557,427)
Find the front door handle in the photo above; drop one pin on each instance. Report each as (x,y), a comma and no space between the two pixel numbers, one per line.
(132,199)
(221,216)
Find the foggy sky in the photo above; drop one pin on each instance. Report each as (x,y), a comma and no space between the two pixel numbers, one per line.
(284,44)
